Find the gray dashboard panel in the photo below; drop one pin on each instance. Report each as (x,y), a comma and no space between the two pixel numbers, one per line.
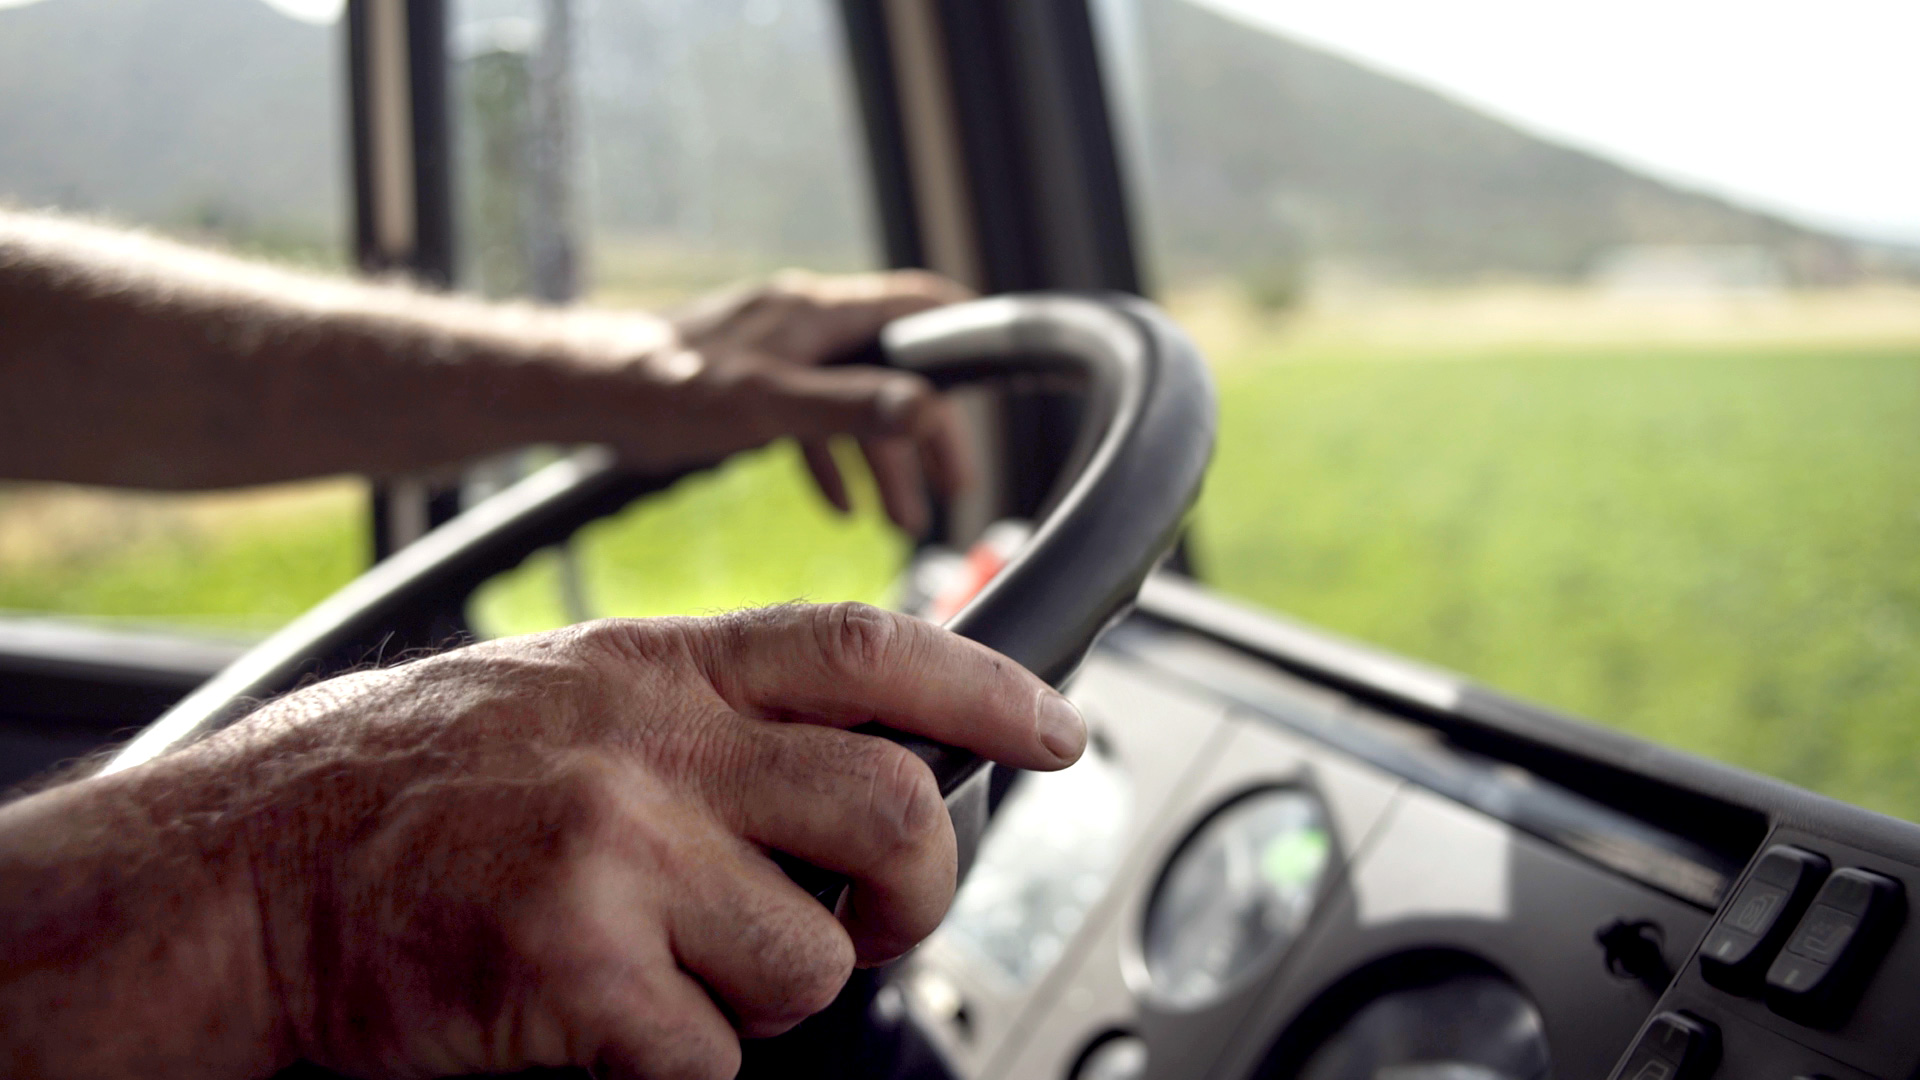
(1415,871)
(1160,736)
(1442,850)
(1108,989)
(1442,877)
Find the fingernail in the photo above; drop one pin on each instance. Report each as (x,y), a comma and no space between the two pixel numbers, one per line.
(1061,727)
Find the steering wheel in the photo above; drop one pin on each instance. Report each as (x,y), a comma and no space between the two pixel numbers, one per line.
(1146,438)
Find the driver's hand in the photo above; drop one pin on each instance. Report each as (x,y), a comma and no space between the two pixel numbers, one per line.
(554,849)
(744,368)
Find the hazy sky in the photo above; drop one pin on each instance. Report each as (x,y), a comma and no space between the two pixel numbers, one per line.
(1811,107)
(319,11)
(1806,107)
(314,11)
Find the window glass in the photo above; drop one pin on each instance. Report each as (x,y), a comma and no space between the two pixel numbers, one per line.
(111,108)
(1574,347)
(685,147)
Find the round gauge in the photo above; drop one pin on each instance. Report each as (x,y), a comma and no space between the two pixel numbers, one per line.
(1232,898)
(1463,1025)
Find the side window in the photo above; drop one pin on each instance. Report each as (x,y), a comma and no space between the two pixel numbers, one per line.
(668,148)
(110,108)
(1587,365)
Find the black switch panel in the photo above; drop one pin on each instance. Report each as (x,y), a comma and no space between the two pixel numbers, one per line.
(1835,947)
(1738,950)
(1675,1046)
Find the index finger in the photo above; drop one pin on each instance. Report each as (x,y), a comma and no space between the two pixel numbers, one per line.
(851,664)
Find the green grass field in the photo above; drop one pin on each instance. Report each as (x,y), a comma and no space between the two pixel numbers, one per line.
(750,533)
(1709,543)
(1718,548)
(232,565)
(237,565)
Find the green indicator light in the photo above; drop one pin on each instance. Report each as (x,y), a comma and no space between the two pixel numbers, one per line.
(1294,859)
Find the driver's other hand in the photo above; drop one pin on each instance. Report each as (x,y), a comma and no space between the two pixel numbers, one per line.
(746,368)
(554,849)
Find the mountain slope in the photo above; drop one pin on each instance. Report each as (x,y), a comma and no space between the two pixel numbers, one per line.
(179,111)
(712,125)
(1261,149)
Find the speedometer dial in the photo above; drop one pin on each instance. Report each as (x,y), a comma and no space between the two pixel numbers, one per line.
(1235,895)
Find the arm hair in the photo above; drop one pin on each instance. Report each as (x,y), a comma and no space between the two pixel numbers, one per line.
(132,360)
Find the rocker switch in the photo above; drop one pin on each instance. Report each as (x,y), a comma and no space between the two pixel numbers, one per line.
(1735,955)
(1835,947)
(1675,1046)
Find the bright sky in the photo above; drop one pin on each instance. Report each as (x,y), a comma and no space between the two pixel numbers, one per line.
(1811,108)
(313,11)
(1808,108)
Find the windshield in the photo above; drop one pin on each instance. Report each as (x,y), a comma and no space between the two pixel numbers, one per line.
(1573,348)
(110,109)
(675,115)
(674,119)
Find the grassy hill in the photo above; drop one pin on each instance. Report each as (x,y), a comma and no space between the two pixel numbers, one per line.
(712,125)
(209,115)
(1262,151)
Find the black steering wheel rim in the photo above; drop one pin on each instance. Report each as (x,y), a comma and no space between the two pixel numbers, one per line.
(1148,398)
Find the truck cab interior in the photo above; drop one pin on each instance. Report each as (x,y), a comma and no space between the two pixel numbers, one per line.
(1288,852)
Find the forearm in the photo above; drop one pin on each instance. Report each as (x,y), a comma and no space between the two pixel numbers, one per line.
(130,360)
(130,940)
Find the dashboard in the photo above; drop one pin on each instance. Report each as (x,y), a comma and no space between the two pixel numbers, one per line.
(1258,872)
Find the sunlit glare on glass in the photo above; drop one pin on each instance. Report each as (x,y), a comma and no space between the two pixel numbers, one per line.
(318,12)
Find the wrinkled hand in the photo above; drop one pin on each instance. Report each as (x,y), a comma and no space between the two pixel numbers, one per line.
(745,368)
(554,849)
